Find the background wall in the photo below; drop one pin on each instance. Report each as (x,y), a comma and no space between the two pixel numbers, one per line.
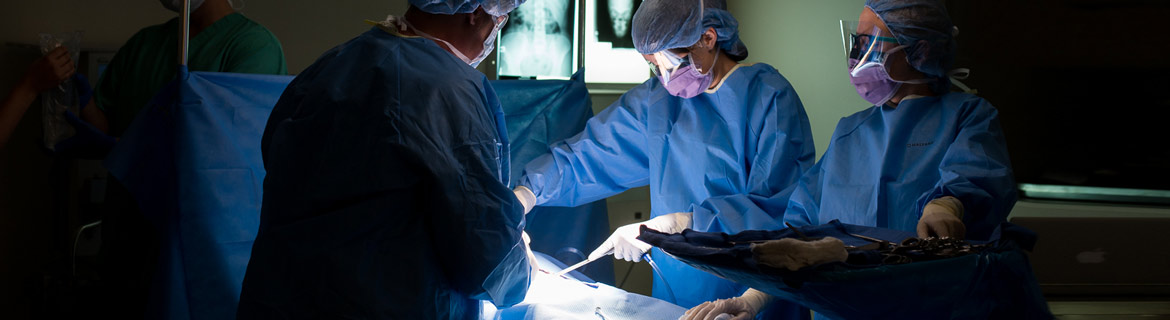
(802,39)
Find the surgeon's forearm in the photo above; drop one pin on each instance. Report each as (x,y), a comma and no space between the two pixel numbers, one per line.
(13,109)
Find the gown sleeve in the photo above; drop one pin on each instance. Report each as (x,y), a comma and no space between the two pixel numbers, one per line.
(608,157)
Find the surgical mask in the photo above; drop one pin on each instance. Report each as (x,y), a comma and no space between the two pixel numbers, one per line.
(177,5)
(681,79)
(874,84)
(873,81)
(488,44)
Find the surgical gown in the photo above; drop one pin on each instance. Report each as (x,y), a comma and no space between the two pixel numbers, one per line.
(386,192)
(730,155)
(885,164)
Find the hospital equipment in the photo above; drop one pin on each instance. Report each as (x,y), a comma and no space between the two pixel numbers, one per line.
(990,282)
(582,263)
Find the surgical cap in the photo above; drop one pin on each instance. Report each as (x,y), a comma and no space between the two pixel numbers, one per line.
(493,7)
(926,29)
(667,24)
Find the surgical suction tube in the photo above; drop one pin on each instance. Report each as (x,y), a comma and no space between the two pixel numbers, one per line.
(660,277)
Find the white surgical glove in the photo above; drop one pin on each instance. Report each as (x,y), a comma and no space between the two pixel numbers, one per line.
(942,217)
(743,307)
(624,242)
(526,197)
(528,249)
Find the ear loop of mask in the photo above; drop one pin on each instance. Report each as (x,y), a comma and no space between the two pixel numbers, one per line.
(960,73)
(714,59)
(404,24)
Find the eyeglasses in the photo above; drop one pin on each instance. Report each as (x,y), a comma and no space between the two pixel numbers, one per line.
(666,62)
(863,46)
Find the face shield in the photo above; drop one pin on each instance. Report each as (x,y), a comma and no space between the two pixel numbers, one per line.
(664,63)
(866,48)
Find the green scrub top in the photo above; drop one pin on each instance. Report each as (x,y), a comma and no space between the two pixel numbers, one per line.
(149,60)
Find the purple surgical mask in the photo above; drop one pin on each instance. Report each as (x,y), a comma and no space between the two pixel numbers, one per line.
(873,83)
(687,82)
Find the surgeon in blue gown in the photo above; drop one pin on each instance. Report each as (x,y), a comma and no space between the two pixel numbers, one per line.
(921,158)
(720,144)
(386,195)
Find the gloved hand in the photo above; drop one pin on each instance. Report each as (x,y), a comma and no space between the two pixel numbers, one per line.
(87,143)
(743,307)
(526,197)
(528,249)
(624,241)
(942,217)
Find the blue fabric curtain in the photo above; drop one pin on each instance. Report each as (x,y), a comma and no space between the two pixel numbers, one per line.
(192,161)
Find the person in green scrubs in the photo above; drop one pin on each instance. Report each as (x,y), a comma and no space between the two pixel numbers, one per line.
(221,40)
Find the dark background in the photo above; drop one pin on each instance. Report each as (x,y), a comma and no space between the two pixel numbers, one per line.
(1081,86)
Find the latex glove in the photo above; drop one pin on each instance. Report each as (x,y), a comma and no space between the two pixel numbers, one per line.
(942,217)
(743,307)
(526,197)
(624,241)
(528,249)
(88,142)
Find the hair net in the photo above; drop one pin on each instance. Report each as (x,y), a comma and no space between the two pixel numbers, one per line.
(666,24)
(924,27)
(493,7)
(728,30)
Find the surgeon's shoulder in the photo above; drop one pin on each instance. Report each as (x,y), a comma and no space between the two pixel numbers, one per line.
(638,99)
(968,105)
(763,74)
(851,123)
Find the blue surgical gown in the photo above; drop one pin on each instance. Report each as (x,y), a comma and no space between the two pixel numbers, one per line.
(730,155)
(885,164)
(386,192)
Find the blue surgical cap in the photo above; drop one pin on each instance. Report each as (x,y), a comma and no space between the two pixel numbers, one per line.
(667,24)
(493,7)
(924,27)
